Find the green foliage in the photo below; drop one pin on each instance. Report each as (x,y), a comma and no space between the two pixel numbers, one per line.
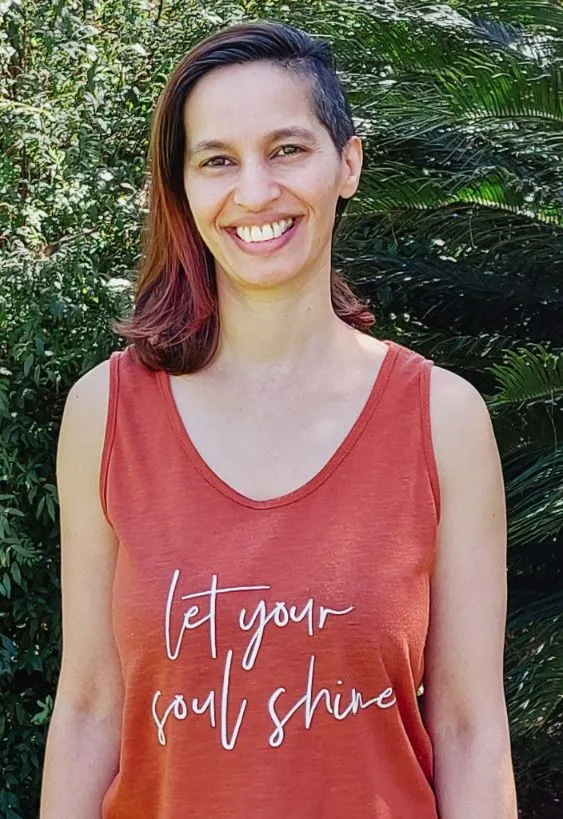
(455,236)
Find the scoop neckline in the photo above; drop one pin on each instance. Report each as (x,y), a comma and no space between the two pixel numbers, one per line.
(182,435)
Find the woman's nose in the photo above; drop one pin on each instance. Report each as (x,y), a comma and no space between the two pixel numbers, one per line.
(255,186)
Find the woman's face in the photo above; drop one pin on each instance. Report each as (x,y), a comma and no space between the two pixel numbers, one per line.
(252,176)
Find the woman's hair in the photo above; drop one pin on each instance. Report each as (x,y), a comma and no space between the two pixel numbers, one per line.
(174,324)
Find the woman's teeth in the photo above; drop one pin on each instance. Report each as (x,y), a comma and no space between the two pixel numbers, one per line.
(265,232)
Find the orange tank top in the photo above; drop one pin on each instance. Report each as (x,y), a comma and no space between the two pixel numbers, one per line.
(272,650)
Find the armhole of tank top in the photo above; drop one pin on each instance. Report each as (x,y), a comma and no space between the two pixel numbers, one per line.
(109,429)
(427,443)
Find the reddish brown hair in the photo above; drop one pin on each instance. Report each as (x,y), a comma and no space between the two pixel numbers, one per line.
(174,324)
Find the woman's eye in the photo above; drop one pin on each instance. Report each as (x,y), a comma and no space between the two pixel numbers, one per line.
(295,148)
(208,162)
(211,163)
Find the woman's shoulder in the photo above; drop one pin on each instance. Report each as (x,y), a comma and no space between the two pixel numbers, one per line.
(91,390)
(86,408)
(451,395)
(460,422)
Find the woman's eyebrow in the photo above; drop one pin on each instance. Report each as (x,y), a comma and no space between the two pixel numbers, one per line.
(279,133)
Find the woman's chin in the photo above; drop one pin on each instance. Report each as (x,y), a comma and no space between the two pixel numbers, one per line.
(259,275)
(266,279)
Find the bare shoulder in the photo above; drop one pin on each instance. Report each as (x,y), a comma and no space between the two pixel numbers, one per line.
(371,345)
(454,400)
(88,396)
(90,675)
(460,420)
(450,390)
(464,649)
(469,467)
(81,436)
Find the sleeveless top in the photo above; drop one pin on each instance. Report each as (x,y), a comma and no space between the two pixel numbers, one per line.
(272,651)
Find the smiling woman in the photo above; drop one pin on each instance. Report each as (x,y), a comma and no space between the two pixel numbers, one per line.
(276,528)
(216,160)
(256,183)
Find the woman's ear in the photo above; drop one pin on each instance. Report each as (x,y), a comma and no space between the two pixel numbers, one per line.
(352,159)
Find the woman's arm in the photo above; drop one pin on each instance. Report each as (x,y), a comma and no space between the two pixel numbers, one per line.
(464,704)
(82,751)
(80,762)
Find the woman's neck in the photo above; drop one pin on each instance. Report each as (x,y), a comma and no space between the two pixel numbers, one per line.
(277,330)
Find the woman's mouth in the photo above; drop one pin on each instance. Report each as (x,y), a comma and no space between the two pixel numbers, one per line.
(261,244)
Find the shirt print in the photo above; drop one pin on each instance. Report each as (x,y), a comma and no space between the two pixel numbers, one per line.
(254,620)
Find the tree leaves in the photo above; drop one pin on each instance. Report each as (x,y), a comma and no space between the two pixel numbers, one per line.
(455,235)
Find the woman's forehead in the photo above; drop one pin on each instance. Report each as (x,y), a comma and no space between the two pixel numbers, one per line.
(254,94)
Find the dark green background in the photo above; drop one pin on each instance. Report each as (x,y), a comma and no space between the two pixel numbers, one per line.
(455,235)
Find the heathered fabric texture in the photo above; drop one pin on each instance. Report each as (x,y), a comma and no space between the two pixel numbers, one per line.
(272,650)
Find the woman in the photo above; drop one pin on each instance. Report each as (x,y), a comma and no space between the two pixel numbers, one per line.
(277,530)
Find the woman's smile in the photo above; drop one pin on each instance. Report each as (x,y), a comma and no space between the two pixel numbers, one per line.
(265,246)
